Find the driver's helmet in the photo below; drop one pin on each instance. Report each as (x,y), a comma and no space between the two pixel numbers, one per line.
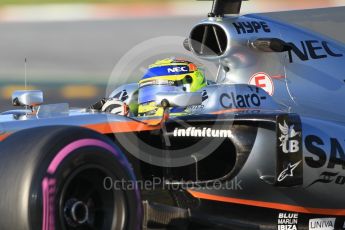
(168,75)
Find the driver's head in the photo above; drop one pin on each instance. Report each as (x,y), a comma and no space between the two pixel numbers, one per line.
(168,75)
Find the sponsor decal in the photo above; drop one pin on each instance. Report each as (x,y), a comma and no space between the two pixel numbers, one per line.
(178,69)
(312,50)
(287,221)
(198,108)
(195,109)
(122,96)
(156,82)
(204,95)
(202,132)
(289,166)
(288,172)
(288,140)
(322,224)
(321,150)
(250,27)
(329,178)
(232,100)
(264,81)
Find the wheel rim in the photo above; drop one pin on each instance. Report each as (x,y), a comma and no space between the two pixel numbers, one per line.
(86,204)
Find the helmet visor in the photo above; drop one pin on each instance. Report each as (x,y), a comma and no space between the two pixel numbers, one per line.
(149,90)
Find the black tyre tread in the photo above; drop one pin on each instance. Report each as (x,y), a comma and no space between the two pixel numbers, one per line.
(21,155)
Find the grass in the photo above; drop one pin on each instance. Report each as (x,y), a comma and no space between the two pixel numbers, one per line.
(30,2)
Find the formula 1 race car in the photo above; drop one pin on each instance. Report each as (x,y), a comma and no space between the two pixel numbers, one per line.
(260,148)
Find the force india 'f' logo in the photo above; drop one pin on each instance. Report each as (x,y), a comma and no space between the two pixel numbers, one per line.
(288,145)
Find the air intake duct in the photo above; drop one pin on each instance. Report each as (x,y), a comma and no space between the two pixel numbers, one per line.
(208,40)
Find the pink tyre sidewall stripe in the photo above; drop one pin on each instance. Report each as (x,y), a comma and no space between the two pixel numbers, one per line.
(76,145)
(48,184)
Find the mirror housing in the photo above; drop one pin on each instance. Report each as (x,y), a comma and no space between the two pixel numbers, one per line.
(27,98)
(270,45)
(178,99)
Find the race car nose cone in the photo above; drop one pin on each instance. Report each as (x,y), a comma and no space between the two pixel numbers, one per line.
(76,212)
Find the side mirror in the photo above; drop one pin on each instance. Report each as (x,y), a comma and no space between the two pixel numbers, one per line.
(186,44)
(270,45)
(178,99)
(27,98)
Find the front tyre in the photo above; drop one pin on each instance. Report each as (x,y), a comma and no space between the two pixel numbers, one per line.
(63,178)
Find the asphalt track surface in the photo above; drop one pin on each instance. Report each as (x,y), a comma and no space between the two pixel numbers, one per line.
(85,52)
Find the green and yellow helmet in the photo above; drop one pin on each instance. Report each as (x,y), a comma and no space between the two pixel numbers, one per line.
(166,76)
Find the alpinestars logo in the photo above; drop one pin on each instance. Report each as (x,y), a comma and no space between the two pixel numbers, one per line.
(288,133)
(288,172)
(202,132)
